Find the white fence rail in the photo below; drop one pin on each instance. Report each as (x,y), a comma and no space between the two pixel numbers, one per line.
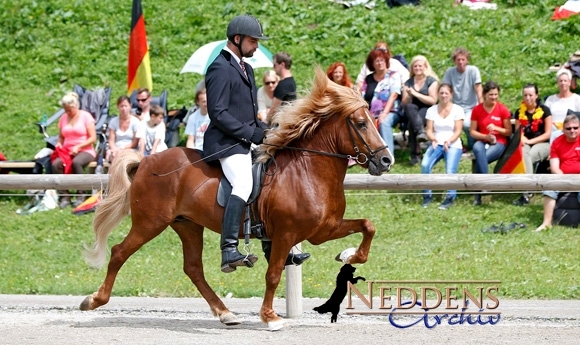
(503,182)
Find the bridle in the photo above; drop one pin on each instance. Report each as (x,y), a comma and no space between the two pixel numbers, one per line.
(372,152)
(360,157)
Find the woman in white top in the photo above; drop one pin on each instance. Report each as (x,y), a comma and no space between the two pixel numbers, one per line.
(266,94)
(123,130)
(560,103)
(444,127)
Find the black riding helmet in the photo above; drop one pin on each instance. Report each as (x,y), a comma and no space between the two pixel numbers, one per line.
(244,25)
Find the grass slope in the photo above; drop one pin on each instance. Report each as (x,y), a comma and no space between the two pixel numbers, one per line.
(46,47)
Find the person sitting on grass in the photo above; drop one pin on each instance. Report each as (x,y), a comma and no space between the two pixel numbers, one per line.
(444,127)
(564,159)
(419,94)
(490,127)
(152,134)
(535,121)
(562,102)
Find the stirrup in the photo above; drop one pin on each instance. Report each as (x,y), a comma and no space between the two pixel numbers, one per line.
(247,260)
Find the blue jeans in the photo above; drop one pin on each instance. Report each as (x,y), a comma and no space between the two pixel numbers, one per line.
(386,129)
(434,155)
(485,156)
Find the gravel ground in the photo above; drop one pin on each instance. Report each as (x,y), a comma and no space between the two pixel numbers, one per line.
(47,320)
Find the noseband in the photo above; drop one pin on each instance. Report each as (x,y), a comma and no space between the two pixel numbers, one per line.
(360,157)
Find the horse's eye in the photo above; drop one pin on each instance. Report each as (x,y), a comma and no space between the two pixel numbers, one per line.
(362,124)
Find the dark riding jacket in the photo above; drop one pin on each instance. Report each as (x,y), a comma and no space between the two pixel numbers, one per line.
(232,107)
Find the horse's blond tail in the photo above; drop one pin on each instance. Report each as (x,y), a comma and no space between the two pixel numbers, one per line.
(114,207)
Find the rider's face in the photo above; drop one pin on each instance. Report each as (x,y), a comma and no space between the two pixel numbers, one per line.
(249,46)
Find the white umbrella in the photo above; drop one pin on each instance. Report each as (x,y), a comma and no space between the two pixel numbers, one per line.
(204,56)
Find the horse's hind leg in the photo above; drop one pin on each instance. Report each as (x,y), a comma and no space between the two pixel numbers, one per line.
(348,227)
(191,236)
(120,253)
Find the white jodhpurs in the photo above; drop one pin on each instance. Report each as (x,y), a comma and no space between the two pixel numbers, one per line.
(238,171)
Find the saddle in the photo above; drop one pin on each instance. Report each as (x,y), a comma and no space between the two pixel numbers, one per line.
(252,223)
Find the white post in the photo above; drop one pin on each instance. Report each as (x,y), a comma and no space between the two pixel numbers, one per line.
(294,287)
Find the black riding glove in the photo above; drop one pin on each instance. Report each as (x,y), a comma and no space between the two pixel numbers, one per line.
(258,136)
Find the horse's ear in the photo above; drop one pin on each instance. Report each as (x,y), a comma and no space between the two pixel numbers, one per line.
(319,74)
(320,83)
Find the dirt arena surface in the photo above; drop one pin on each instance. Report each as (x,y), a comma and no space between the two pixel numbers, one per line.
(47,320)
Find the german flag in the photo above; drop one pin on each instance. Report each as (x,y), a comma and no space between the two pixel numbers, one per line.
(512,159)
(139,70)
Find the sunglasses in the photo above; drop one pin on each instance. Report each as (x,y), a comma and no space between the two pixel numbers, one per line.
(270,83)
(571,128)
(142,100)
(382,49)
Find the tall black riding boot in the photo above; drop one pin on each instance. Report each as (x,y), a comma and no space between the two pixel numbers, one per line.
(231,224)
(292,259)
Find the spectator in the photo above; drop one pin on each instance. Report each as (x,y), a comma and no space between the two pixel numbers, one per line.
(491,128)
(122,130)
(561,102)
(198,122)
(152,134)
(419,93)
(381,90)
(444,127)
(199,86)
(564,159)
(338,74)
(266,94)
(466,82)
(74,148)
(143,104)
(286,89)
(394,65)
(535,122)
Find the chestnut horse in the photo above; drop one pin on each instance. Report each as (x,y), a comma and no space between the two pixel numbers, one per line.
(302,198)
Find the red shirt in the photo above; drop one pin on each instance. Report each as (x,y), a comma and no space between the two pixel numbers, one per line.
(498,114)
(568,153)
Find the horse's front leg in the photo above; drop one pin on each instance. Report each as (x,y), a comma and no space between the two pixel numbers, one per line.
(349,227)
(273,275)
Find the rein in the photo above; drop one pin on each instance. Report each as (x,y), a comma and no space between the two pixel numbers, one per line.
(192,163)
(360,157)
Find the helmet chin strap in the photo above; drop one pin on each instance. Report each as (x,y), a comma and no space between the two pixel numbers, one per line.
(239,45)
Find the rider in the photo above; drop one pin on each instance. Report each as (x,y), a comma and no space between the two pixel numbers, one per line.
(232,107)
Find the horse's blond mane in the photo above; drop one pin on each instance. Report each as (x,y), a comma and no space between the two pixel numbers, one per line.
(301,118)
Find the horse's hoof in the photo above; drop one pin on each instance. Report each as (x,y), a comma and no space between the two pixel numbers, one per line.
(229,319)
(345,255)
(275,325)
(86,304)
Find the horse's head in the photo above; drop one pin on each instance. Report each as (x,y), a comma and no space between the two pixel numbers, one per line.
(365,143)
(333,120)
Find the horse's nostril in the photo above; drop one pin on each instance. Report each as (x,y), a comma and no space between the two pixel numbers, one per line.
(385,161)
